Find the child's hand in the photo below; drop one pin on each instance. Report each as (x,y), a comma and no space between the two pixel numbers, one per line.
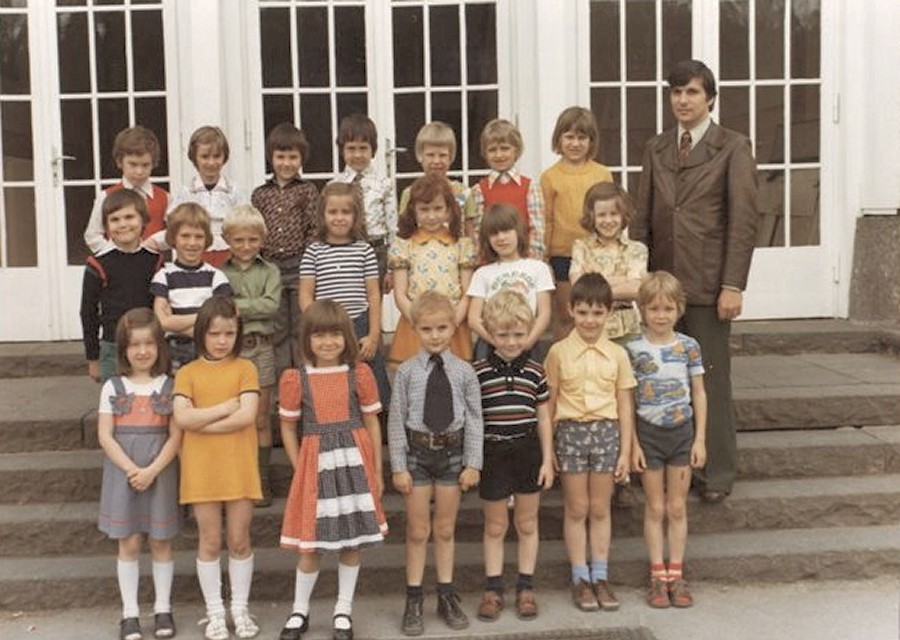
(638,460)
(94,370)
(698,454)
(545,475)
(141,479)
(367,348)
(621,472)
(388,283)
(460,316)
(555,461)
(402,482)
(230,406)
(469,478)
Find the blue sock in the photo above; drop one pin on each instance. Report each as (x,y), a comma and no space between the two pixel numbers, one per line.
(599,570)
(580,573)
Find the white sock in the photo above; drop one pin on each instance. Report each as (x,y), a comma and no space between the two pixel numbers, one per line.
(347,576)
(129,572)
(303,588)
(163,573)
(240,573)
(209,574)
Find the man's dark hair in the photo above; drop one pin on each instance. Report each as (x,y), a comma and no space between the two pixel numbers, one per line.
(687,70)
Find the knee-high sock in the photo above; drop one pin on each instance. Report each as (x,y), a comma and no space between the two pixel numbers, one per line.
(209,574)
(347,576)
(163,573)
(240,573)
(303,588)
(129,573)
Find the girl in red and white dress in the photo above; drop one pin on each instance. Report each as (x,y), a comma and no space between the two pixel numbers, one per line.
(334,504)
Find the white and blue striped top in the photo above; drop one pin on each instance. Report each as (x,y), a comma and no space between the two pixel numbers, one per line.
(341,271)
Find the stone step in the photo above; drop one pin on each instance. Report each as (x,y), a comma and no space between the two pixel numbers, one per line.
(785,555)
(75,476)
(49,529)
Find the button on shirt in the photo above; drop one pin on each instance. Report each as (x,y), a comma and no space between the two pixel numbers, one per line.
(290,215)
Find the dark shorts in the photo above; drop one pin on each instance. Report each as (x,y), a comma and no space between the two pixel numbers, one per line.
(666,446)
(510,467)
(587,446)
(560,267)
(441,466)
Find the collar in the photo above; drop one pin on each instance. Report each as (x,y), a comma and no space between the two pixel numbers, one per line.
(198,186)
(513,174)
(186,267)
(257,260)
(508,366)
(274,181)
(602,345)
(697,132)
(422,237)
(145,189)
(594,239)
(424,357)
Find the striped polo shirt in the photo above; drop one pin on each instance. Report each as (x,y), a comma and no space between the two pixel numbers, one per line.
(341,271)
(186,288)
(510,394)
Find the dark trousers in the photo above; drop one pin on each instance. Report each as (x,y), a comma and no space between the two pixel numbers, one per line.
(702,323)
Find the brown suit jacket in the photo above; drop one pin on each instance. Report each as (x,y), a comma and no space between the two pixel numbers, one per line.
(699,220)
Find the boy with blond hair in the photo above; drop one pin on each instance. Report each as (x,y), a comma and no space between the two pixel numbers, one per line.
(436,151)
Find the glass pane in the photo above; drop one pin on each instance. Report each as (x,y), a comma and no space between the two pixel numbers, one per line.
(79,201)
(805,122)
(148,59)
(447,107)
(409,47)
(481,43)
(482,108)
(631,181)
(769,125)
(109,36)
(806,36)
(444,29)
(151,112)
(734,108)
(67,3)
(77,139)
(640,38)
(109,1)
(21,230)
(604,41)
(18,149)
(275,47)
(804,207)
(14,4)
(14,59)
(605,103)
(350,103)
(313,59)
(112,117)
(276,109)
(734,19)
(350,46)
(409,116)
(315,120)
(641,110)
(72,40)
(770,39)
(676,32)
(770,232)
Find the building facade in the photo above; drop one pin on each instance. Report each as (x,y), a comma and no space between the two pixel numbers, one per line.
(815,89)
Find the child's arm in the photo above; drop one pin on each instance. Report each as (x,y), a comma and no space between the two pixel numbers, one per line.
(549,198)
(143,478)
(476,306)
(545,437)
(536,231)
(370,421)
(306,292)
(401,289)
(241,418)
(541,319)
(699,402)
(111,447)
(625,405)
(290,440)
(93,232)
(368,344)
(261,305)
(191,418)
(172,322)
(90,320)
(551,370)
(397,442)
(475,204)
(462,307)
(473,434)
(626,287)
(579,259)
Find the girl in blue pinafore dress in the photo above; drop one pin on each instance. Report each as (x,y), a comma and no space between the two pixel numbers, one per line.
(139,494)
(334,504)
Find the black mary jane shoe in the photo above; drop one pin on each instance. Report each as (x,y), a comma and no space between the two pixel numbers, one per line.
(342,634)
(294,632)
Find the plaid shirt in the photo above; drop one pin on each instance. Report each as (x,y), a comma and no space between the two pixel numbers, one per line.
(290,215)
(379,202)
(535,203)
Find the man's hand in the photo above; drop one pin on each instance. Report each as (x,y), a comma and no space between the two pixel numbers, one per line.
(731,304)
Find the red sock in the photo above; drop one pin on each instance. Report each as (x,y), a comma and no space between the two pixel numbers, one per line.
(675,571)
(658,571)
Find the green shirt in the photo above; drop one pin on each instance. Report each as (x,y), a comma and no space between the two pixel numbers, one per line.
(257,293)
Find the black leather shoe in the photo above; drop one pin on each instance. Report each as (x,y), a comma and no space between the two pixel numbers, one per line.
(294,632)
(342,634)
(413,624)
(450,612)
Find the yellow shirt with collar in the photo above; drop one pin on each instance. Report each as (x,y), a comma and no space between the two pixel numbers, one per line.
(587,377)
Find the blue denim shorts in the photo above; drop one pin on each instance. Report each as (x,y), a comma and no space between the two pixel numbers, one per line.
(434,466)
(560,266)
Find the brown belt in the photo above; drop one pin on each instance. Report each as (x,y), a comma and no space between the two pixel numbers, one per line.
(253,340)
(434,441)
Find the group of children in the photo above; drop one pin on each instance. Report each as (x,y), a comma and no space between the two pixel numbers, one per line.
(291,283)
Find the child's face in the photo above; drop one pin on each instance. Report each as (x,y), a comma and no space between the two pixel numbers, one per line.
(220,338)
(124,228)
(435,331)
(573,146)
(190,243)
(339,213)
(607,219)
(209,161)
(142,350)
(509,341)
(660,315)
(432,216)
(286,164)
(435,159)
(501,156)
(245,243)
(327,347)
(589,319)
(136,167)
(357,155)
(506,244)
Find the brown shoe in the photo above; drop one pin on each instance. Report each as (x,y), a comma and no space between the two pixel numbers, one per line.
(583,596)
(658,594)
(680,595)
(605,597)
(490,607)
(526,605)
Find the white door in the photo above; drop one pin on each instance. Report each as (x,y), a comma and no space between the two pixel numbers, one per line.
(771,61)
(81,73)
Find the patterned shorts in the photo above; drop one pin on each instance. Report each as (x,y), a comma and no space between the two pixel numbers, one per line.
(263,356)
(587,446)
(442,466)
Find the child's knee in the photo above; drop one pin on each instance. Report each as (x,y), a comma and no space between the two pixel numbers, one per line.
(417,533)
(526,525)
(239,544)
(130,547)
(444,532)
(161,550)
(576,509)
(676,510)
(495,527)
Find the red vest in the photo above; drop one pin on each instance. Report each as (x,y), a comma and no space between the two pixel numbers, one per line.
(509,193)
(156,207)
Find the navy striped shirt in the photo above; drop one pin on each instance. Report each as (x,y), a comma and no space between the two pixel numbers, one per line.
(510,394)
(186,288)
(341,271)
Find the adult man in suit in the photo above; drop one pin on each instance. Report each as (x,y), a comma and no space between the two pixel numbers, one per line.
(697,213)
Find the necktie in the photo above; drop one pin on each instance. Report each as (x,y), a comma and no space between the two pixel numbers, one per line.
(684,147)
(438,412)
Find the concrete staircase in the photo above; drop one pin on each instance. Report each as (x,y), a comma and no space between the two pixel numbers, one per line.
(818,497)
